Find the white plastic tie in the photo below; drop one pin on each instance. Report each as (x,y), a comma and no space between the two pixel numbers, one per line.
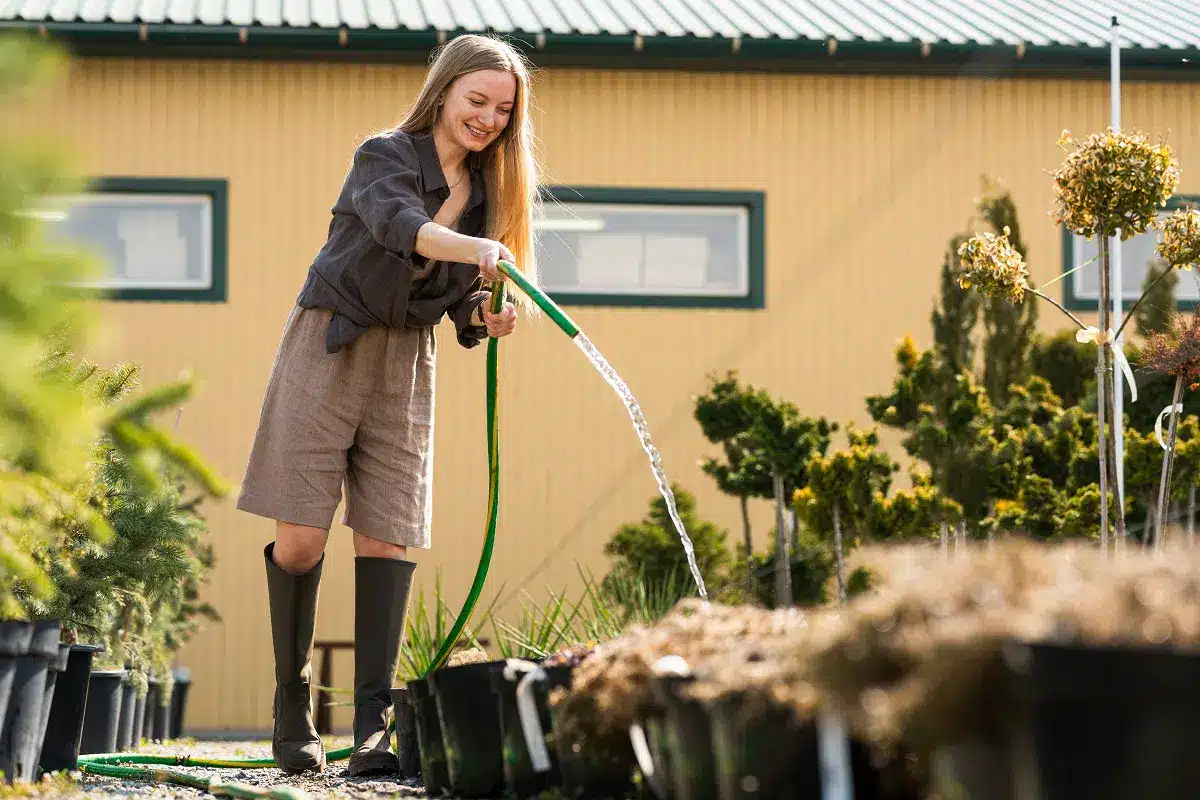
(531,725)
(837,782)
(1158,423)
(1092,334)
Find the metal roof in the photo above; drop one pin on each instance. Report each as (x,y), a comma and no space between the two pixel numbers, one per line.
(1164,26)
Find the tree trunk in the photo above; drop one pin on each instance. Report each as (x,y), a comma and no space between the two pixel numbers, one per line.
(1164,484)
(1191,528)
(748,542)
(783,561)
(945,539)
(960,536)
(1101,392)
(837,546)
(1148,526)
(1114,466)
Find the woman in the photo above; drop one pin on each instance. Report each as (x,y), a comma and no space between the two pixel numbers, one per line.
(426,211)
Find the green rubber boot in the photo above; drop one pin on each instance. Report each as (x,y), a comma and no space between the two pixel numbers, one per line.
(295,745)
(381,587)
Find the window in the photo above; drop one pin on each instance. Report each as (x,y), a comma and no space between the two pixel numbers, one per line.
(651,247)
(155,239)
(1081,289)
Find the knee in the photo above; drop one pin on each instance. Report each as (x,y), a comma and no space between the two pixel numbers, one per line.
(297,548)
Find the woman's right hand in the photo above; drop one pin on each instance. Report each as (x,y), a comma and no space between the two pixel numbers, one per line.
(490,253)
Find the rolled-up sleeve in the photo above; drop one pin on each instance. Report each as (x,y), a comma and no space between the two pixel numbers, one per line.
(385,190)
(460,314)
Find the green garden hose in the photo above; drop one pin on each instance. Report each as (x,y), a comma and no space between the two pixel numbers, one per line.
(109,764)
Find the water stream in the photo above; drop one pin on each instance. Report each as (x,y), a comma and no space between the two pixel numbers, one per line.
(643,432)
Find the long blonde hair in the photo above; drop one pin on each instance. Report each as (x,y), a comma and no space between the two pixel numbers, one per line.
(510,169)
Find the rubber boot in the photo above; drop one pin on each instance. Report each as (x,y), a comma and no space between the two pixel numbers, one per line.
(295,745)
(381,587)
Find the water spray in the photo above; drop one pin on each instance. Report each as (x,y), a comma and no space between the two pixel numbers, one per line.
(114,764)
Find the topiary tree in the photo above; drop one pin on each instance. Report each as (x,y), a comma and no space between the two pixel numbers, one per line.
(785,440)
(954,318)
(1175,353)
(1008,328)
(725,414)
(842,492)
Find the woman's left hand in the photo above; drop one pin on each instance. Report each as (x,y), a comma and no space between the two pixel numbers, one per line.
(501,324)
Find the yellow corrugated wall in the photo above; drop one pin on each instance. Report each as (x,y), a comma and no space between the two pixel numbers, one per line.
(865,177)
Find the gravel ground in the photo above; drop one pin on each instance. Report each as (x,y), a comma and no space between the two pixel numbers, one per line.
(331,783)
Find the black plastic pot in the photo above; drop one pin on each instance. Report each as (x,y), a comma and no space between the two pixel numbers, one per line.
(662,782)
(128,709)
(407,750)
(520,778)
(470,728)
(58,665)
(139,720)
(162,715)
(15,636)
(688,734)
(102,715)
(19,742)
(429,737)
(183,682)
(60,747)
(1108,722)
(595,770)
(762,752)
(148,710)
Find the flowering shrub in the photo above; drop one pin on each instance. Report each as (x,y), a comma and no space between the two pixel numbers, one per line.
(1113,181)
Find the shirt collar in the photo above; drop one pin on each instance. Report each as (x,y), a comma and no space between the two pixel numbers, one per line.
(432,176)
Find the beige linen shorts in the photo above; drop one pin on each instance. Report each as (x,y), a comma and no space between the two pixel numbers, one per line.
(360,419)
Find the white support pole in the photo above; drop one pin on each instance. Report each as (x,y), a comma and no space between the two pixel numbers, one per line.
(1116,286)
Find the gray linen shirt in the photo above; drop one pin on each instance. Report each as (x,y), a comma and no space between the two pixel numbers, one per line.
(368,271)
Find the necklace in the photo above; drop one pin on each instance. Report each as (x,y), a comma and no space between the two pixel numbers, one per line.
(460,178)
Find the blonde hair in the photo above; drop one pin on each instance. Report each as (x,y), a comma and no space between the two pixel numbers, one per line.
(510,170)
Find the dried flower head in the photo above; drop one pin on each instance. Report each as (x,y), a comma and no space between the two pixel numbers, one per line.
(1177,351)
(991,264)
(1180,244)
(1113,181)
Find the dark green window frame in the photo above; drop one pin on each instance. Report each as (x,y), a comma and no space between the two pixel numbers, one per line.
(753,202)
(217,189)
(1073,302)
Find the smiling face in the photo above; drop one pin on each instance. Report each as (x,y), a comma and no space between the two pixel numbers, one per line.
(477,107)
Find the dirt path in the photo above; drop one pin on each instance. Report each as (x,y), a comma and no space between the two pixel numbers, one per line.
(332,783)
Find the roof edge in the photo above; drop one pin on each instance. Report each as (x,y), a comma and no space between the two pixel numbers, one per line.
(629,51)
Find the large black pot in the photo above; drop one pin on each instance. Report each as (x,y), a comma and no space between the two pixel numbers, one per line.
(429,737)
(592,770)
(58,665)
(152,695)
(128,709)
(139,720)
(102,715)
(162,714)
(19,742)
(1108,723)
(520,777)
(183,682)
(762,752)
(15,636)
(60,748)
(688,735)
(470,724)
(408,750)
